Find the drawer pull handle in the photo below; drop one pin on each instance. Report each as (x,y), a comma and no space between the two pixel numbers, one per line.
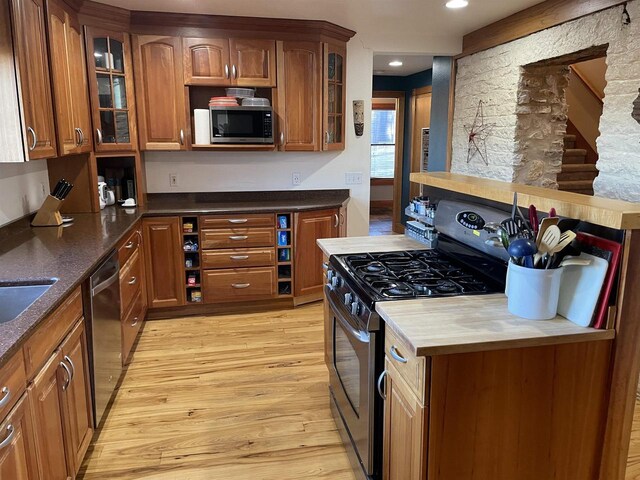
(238,257)
(336,223)
(240,285)
(135,322)
(238,220)
(129,245)
(394,353)
(73,367)
(133,281)
(6,395)
(238,237)
(382,391)
(66,369)
(7,440)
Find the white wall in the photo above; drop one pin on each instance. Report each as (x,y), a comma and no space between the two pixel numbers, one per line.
(381,193)
(493,76)
(21,189)
(216,172)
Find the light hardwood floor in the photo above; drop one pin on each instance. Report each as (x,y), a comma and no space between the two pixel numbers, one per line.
(231,397)
(224,398)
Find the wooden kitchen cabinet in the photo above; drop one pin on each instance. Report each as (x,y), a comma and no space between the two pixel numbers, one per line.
(224,62)
(113,101)
(46,405)
(160,92)
(30,43)
(162,238)
(299,96)
(69,79)
(17,447)
(334,78)
(77,407)
(405,430)
(309,227)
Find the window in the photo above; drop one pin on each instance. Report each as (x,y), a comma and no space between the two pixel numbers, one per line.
(383,141)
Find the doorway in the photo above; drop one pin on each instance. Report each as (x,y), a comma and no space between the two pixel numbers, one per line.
(387,134)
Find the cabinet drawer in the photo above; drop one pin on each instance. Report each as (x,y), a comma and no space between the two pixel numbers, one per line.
(50,333)
(244,220)
(130,281)
(131,325)
(414,370)
(238,284)
(130,245)
(238,257)
(238,237)
(13,382)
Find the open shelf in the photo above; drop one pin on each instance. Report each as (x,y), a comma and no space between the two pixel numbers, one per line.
(191,233)
(236,148)
(284,233)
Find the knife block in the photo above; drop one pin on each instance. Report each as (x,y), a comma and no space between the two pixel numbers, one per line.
(49,213)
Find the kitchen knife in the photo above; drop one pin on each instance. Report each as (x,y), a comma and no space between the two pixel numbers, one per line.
(58,187)
(67,188)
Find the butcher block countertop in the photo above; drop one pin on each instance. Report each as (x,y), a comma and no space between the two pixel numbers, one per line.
(382,243)
(475,323)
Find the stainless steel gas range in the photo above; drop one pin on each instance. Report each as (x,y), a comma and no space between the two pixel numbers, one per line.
(466,262)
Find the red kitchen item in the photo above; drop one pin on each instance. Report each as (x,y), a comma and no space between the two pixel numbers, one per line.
(610,251)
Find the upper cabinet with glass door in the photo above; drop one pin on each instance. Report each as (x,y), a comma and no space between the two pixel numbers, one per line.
(335,75)
(111,87)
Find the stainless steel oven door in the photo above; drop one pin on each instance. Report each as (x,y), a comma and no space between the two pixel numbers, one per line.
(351,377)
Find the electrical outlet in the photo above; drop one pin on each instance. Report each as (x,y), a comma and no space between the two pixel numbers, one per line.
(173,179)
(296,178)
(353,178)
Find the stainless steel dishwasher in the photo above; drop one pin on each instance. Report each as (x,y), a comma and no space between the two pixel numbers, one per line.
(106,333)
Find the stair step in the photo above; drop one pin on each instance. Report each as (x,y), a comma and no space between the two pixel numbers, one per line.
(579,167)
(574,155)
(574,185)
(578,171)
(569,138)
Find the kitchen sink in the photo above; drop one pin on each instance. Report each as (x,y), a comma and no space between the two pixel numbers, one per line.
(16,297)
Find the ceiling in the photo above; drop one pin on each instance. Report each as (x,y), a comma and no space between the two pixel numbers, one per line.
(413,26)
(411,63)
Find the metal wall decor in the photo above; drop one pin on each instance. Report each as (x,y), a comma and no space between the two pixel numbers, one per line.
(636,108)
(478,132)
(358,117)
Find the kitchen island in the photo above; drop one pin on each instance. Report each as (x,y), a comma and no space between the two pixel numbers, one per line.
(473,392)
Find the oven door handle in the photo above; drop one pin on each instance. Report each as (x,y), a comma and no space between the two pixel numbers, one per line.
(342,315)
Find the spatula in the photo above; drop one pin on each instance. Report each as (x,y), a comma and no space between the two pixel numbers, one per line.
(565,239)
(547,243)
(546,223)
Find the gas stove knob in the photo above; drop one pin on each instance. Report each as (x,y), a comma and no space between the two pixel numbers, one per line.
(355,308)
(348,298)
(335,281)
(330,275)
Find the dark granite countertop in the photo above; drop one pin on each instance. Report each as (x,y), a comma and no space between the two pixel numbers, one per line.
(71,253)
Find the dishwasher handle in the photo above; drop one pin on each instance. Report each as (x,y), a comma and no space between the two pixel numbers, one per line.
(106,283)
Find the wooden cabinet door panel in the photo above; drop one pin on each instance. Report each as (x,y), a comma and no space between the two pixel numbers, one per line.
(44,397)
(77,406)
(404,444)
(160,92)
(68,80)
(309,227)
(162,238)
(206,61)
(299,95)
(31,50)
(253,62)
(18,455)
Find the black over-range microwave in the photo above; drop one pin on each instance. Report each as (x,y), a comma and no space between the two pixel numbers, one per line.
(241,124)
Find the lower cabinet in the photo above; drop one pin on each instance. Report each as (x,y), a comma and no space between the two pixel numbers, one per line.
(60,399)
(309,227)
(17,448)
(162,237)
(404,448)
(239,284)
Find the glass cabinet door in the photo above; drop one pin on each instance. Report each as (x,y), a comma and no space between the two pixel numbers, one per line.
(110,67)
(334,91)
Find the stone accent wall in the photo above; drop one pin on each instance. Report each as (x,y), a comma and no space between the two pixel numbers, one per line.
(494,76)
(541,122)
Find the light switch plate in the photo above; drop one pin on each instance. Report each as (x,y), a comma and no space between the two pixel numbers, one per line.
(353,178)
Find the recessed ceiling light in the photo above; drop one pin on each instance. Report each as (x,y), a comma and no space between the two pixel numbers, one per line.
(457,3)
(395,63)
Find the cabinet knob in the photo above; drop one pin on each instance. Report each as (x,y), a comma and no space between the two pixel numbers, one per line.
(35,138)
